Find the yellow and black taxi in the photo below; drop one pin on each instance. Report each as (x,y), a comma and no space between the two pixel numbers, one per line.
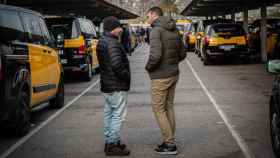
(30,70)
(78,46)
(190,37)
(273,33)
(224,40)
(200,33)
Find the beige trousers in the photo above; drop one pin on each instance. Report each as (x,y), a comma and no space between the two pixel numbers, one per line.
(163,92)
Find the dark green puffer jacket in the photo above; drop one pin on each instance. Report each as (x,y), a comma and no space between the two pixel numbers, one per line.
(166,49)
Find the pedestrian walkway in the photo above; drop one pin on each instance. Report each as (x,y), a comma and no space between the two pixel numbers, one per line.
(78,132)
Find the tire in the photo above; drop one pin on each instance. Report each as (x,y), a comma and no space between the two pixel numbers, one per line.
(274,119)
(23,115)
(58,101)
(88,72)
(246,60)
(206,60)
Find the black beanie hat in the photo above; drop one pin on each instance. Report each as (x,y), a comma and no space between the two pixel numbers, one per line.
(110,23)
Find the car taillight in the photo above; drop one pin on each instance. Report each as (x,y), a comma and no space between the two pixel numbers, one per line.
(82,49)
(206,40)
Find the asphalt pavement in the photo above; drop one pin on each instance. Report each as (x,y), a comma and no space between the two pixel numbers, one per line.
(221,112)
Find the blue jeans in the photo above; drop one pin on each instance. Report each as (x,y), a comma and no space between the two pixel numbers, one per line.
(114,114)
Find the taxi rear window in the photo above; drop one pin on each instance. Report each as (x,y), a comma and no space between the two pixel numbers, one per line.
(67,27)
(232,30)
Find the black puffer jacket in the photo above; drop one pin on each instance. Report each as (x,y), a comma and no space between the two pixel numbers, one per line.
(166,49)
(114,65)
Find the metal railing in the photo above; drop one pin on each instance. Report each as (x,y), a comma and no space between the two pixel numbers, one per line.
(122,5)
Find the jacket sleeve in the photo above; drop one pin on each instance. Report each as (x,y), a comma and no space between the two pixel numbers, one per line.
(120,68)
(155,50)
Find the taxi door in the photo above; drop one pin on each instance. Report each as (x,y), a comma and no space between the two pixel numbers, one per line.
(37,58)
(51,60)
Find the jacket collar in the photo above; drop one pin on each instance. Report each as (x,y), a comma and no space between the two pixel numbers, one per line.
(108,34)
(155,22)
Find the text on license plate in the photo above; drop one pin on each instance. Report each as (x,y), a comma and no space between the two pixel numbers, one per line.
(227,47)
(63,61)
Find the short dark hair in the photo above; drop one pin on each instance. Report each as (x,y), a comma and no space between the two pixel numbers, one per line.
(156,10)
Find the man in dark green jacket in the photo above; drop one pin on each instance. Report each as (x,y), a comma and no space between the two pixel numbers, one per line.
(166,52)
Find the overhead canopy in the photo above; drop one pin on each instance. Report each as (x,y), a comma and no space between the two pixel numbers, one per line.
(94,9)
(222,7)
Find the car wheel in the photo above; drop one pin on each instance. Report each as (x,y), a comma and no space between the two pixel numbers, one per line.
(58,101)
(246,60)
(88,73)
(274,129)
(206,60)
(23,115)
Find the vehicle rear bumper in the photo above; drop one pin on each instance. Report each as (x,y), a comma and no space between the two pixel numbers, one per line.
(74,68)
(228,53)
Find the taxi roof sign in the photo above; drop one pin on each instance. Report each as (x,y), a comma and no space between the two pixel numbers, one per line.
(183,21)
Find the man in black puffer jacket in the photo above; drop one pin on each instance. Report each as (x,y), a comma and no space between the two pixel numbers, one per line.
(115,82)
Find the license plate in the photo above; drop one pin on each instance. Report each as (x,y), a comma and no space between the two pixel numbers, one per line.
(227,48)
(60,52)
(63,61)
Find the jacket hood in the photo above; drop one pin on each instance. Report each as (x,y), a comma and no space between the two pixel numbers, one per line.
(165,22)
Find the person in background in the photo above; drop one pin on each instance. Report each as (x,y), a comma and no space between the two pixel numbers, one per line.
(148,30)
(125,39)
(142,35)
(115,83)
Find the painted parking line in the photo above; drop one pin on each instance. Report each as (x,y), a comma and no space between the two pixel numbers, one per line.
(240,141)
(43,124)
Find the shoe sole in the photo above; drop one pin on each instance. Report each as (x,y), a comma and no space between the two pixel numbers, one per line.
(168,153)
(117,154)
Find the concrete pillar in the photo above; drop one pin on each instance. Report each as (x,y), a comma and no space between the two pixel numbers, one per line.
(263,33)
(233,16)
(245,19)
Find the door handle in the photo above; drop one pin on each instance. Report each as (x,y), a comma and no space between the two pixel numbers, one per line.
(47,51)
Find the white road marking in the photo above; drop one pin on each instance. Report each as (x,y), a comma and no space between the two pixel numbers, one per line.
(240,141)
(43,124)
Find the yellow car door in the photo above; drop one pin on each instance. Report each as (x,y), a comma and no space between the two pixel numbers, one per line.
(51,60)
(37,58)
(39,73)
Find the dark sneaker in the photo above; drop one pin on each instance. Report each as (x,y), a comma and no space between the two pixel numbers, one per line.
(116,150)
(119,143)
(167,149)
